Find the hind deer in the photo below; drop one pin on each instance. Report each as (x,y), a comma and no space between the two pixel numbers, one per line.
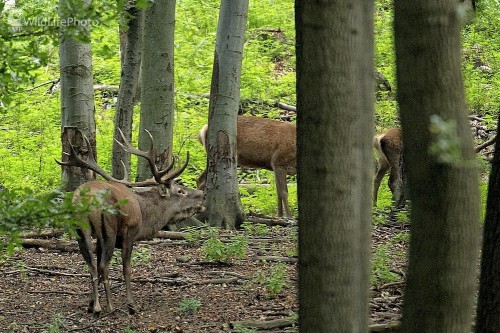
(141,214)
(389,147)
(263,144)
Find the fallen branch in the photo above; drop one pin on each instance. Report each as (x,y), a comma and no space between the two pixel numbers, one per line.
(216,281)
(392,327)
(60,292)
(51,272)
(106,87)
(167,278)
(269,221)
(472,117)
(175,235)
(210,281)
(239,276)
(286,107)
(50,244)
(170,281)
(485,144)
(265,324)
(42,233)
(277,259)
(54,81)
(391,284)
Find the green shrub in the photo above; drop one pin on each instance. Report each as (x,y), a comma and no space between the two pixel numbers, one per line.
(20,211)
(214,249)
(274,280)
(190,305)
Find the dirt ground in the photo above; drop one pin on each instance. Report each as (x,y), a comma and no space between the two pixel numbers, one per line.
(46,290)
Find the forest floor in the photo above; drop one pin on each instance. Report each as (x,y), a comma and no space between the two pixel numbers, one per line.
(177,290)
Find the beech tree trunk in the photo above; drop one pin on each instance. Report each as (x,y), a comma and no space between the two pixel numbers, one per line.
(335,162)
(77,102)
(157,94)
(128,85)
(223,202)
(443,183)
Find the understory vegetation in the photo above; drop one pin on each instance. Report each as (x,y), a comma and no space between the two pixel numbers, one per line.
(30,125)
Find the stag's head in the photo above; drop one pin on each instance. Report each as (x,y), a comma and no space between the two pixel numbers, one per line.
(177,202)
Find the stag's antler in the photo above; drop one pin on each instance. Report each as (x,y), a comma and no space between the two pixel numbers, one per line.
(163,176)
(151,155)
(160,177)
(91,163)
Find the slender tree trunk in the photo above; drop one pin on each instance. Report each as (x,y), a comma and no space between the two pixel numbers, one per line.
(77,103)
(443,185)
(128,85)
(223,202)
(157,96)
(488,306)
(335,162)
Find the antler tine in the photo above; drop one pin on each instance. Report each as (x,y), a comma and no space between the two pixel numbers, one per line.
(91,163)
(150,155)
(163,172)
(167,179)
(125,171)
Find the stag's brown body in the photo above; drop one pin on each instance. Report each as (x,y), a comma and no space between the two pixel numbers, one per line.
(264,144)
(140,214)
(389,147)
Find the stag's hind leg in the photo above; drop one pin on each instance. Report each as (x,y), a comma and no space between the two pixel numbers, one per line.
(127,245)
(86,249)
(105,248)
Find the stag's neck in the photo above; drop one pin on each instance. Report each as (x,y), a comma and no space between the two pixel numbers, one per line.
(153,217)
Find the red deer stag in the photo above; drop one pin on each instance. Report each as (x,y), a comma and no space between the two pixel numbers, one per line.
(141,215)
(389,147)
(264,144)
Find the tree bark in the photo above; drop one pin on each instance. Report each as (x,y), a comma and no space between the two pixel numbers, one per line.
(157,94)
(223,202)
(443,185)
(77,102)
(488,307)
(335,162)
(128,85)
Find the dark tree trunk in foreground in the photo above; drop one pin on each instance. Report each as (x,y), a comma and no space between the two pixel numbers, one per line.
(223,202)
(488,307)
(443,182)
(335,163)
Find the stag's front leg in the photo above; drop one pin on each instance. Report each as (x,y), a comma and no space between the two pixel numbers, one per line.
(86,246)
(127,246)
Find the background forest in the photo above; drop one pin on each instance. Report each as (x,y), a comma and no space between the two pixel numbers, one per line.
(30,122)
(30,111)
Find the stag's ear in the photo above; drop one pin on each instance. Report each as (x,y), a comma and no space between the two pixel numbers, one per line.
(163,190)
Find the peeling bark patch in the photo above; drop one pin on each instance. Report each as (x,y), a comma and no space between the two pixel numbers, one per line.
(223,144)
(78,70)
